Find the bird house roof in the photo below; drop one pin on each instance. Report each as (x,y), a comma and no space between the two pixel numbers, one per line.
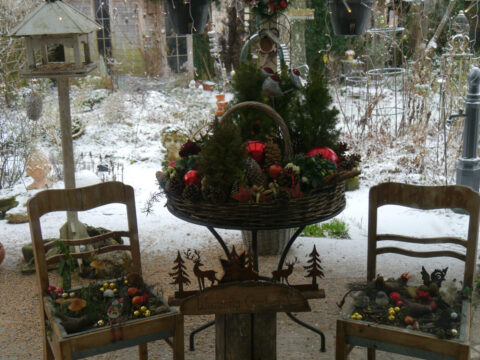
(55,18)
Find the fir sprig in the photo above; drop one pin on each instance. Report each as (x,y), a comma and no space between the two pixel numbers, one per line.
(313,169)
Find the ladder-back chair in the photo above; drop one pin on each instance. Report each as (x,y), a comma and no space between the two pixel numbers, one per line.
(392,339)
(57,344)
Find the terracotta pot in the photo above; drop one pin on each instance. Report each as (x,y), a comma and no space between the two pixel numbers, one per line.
(220,97)
(353,22)
(208,86)
(222,105)
(2,253)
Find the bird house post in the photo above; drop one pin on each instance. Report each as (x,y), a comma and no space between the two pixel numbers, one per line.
(57,23)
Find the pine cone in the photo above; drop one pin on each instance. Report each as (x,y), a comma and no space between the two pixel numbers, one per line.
(192,193)
(285,179)
(213,194)
(283,195)
(235,188)
(254,173)
(174,186)
(273,154)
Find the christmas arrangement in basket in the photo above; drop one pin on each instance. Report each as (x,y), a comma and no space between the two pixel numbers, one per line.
(256,168)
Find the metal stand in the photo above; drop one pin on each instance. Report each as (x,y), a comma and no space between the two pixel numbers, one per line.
(255,261)
(468,171)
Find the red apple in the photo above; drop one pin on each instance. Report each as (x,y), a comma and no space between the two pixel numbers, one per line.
(274,171)
(132,291)
(139,300)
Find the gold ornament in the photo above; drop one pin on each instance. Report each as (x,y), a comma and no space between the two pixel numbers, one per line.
(136,313)
(143,309)
(100,322)
(72,294)
(112,286)
(102,289)
(147,313)
(105,285)
(64,295)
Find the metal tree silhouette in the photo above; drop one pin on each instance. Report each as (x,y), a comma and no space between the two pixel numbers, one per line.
(314,269)
(180,275)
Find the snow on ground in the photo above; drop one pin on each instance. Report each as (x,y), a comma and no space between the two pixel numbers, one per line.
(126,127)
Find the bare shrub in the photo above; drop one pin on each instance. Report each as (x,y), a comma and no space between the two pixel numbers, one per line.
(15,145)
(12,51)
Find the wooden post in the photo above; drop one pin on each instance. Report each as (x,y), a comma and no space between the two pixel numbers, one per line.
(73,229)
(246,336)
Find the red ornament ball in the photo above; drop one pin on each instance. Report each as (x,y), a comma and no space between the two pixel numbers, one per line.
(192,177)
(399,303)
(255,149)
(326,153)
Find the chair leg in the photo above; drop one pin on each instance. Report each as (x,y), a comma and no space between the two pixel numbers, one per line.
(178,340)
(47,350)
(341,346)
(371,354)
(143,351)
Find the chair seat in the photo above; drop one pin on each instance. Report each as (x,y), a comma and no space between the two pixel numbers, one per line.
(395,339)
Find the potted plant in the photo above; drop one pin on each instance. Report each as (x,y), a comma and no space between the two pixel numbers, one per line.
(187,17)
(350,17)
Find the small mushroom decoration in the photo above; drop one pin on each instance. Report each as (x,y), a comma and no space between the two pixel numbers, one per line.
(76,305)
(108,293)
(98,265)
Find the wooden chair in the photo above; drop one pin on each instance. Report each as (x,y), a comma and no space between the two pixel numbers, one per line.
(394,339)
(57,344)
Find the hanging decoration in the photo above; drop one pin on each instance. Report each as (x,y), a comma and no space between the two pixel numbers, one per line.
(268,8)
(350,17)
(187,16)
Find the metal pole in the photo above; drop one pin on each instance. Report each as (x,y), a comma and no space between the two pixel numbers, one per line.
(468,171)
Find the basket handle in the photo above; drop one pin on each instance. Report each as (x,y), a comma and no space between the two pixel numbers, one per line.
(270,112)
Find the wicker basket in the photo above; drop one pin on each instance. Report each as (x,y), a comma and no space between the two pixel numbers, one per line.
(278,214)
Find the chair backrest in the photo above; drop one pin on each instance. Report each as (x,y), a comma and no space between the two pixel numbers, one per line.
(424,198)
(82,199)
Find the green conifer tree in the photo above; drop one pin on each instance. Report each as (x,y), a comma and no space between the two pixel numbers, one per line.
(223,156)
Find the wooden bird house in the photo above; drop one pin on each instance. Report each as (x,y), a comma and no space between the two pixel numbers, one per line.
(56,23)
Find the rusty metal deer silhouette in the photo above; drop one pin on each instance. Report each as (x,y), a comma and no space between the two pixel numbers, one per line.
(200,274)
(280,275)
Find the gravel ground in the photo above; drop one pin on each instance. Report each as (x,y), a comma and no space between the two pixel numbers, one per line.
(20,325)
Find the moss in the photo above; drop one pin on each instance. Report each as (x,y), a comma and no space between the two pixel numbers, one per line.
(7,204)
(17,218)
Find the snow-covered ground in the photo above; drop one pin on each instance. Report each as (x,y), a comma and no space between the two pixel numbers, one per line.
(126,128)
